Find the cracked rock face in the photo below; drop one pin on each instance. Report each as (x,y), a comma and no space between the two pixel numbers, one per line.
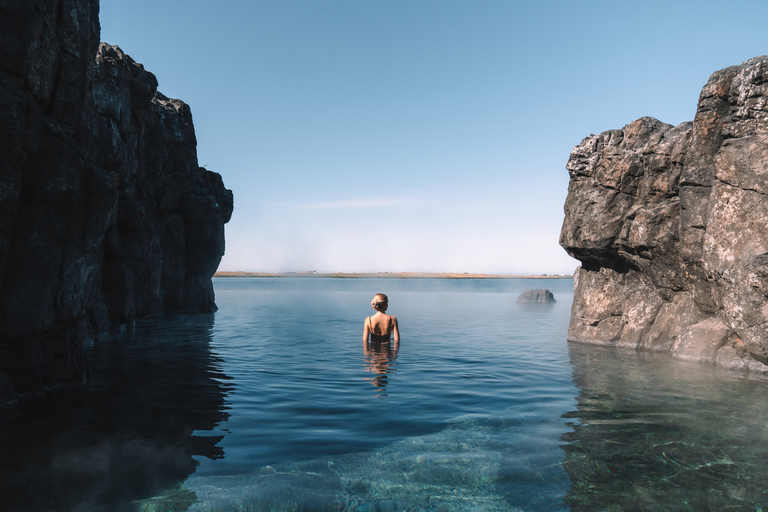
(670,224)
(105,215)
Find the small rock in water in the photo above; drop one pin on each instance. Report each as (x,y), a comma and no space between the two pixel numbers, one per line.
(536,296)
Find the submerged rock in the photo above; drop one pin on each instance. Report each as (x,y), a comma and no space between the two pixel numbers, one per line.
(542,296)
(480,464)
(670,224)
(105,215)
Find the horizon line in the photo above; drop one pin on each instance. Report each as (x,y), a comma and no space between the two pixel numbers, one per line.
(453,275)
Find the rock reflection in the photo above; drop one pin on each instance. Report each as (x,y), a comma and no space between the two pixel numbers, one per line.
(154,388)
(379,357)
(653,433)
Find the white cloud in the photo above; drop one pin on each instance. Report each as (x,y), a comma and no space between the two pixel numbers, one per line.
(357,204)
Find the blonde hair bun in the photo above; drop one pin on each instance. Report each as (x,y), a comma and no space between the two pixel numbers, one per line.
(378,300)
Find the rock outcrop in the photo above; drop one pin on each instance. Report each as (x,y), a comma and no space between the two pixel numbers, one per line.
(536,296)
(105,216)
(670,224)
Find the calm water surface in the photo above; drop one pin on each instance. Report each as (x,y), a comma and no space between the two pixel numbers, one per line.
(272,403)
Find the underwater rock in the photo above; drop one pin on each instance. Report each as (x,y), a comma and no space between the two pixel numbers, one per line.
(542,296)
(105,215)
(670,226)
(475,464)
(653,433)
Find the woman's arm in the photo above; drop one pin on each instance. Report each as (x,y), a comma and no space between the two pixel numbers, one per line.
(395,330)
(365,333)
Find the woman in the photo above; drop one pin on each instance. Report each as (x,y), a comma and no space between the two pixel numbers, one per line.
(380,325)
(380,353)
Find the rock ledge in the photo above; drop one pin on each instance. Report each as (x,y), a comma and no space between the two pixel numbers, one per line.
(670,224)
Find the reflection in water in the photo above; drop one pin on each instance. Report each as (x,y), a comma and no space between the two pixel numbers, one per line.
(654,433)
(131,433)
(379,356)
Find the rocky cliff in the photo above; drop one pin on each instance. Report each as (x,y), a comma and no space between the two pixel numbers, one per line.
(105,215)
(670,224)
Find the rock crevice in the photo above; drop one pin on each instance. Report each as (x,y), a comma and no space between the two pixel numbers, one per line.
(670,225)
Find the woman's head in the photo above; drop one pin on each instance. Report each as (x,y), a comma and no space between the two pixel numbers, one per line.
(380,302)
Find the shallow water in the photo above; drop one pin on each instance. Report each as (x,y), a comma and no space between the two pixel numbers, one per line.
(272,403)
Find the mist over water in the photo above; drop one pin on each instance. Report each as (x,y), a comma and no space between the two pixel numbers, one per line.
(273,404)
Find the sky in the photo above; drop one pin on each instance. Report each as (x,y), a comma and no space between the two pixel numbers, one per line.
(418,135)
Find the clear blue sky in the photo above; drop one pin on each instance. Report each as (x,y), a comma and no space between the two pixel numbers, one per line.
(418,135)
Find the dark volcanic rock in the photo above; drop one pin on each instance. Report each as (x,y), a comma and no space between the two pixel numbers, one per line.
(105,216)
(542,296)
(671,227)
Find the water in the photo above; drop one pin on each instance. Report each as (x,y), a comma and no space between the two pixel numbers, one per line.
(272,403)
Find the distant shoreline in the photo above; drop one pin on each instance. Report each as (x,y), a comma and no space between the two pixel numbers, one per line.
(388,275)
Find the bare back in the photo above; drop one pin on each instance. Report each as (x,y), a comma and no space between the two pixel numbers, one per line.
(380,326)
